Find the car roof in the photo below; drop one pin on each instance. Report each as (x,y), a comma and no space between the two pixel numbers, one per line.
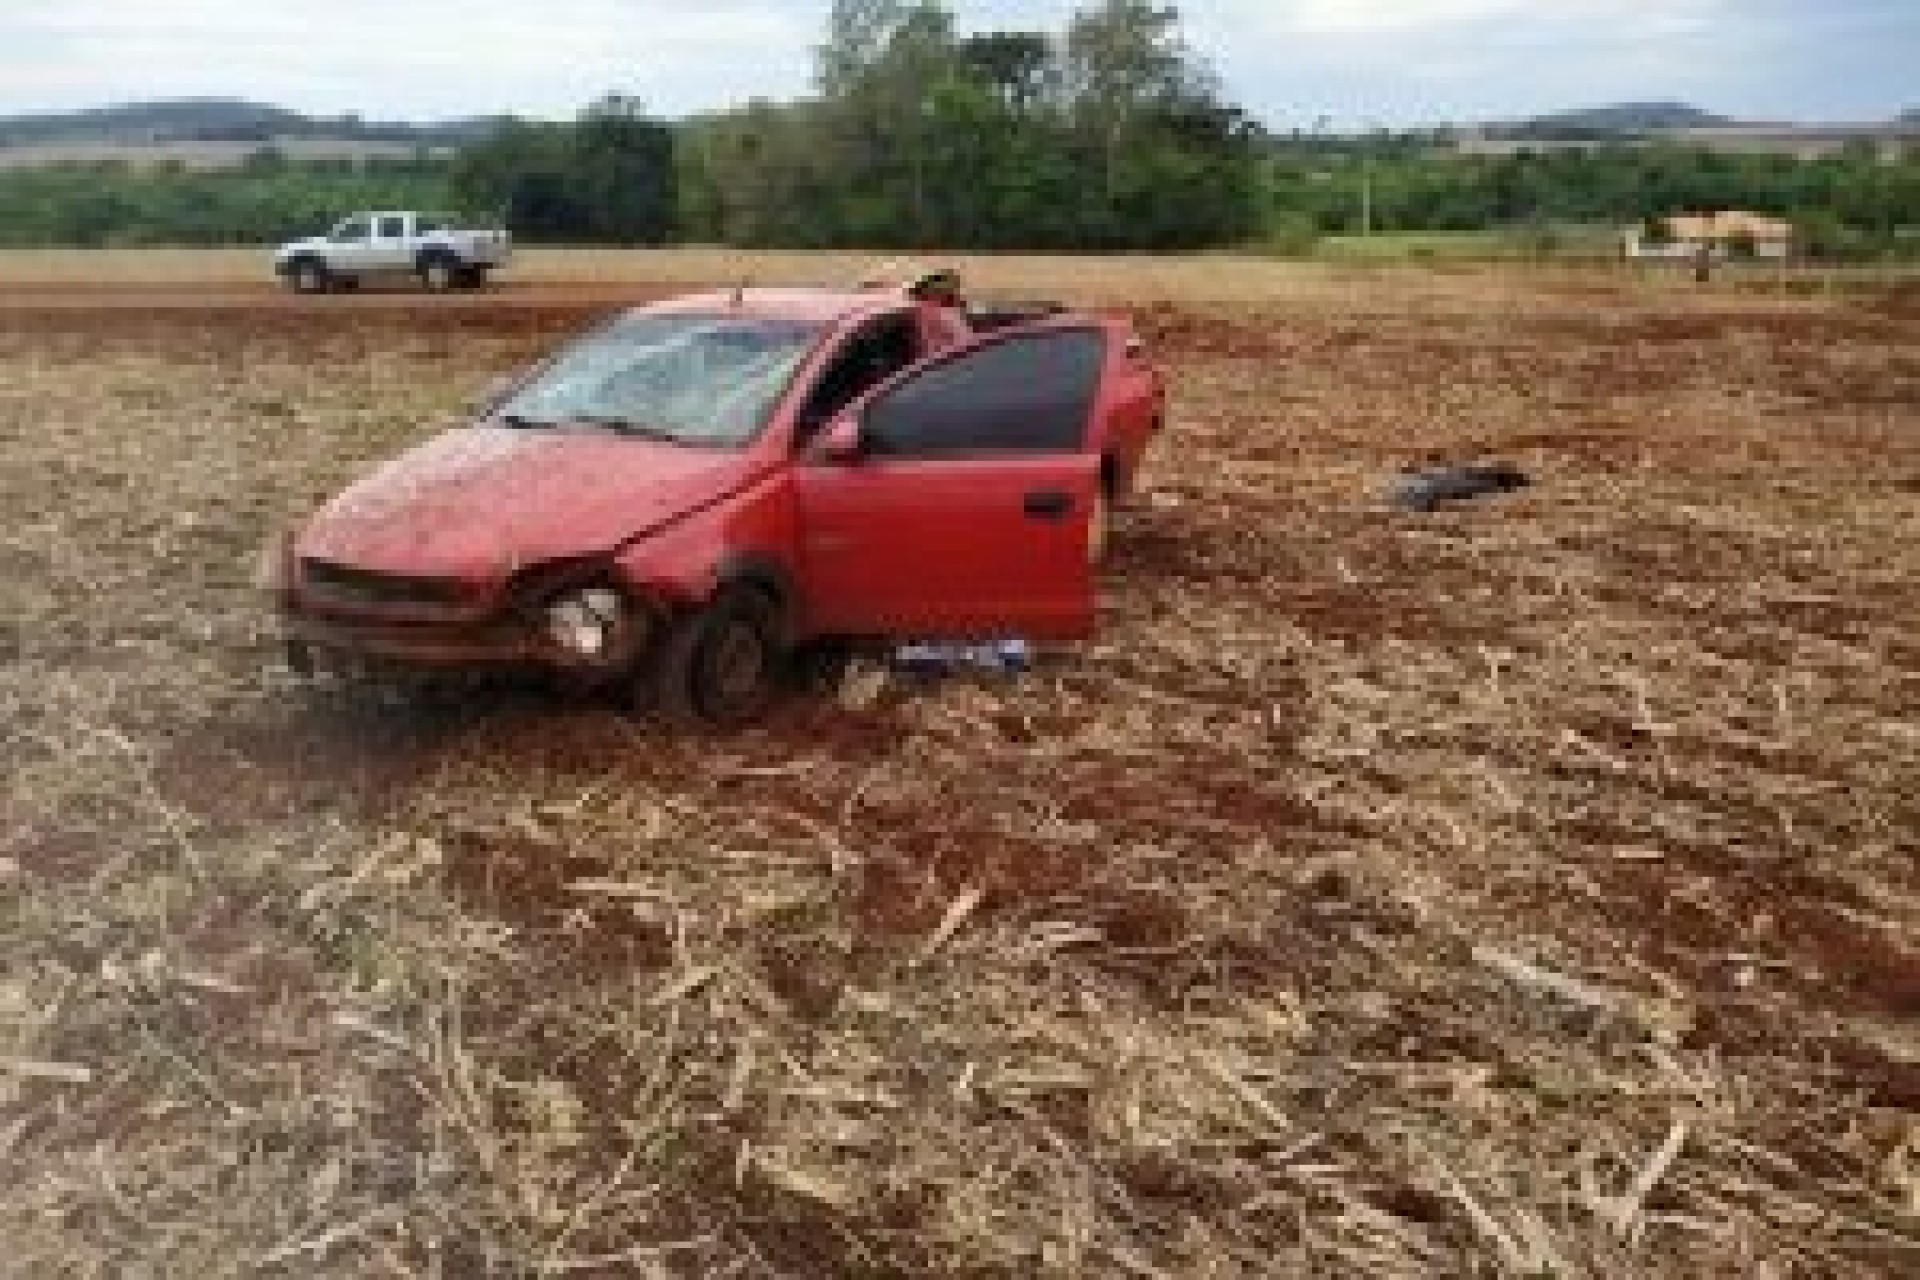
(806,306)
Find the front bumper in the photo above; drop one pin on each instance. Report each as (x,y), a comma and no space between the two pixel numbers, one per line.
(415,644)
(508,643)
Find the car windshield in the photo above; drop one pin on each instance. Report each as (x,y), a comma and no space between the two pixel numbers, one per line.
(690,378)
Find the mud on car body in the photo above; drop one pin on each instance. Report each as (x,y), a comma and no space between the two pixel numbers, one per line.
(680,499)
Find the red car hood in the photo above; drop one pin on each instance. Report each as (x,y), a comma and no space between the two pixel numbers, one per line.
(482,502)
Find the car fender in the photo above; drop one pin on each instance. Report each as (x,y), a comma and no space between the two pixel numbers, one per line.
(745,538)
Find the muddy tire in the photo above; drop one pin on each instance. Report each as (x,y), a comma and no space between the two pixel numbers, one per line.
(720,667)
(818,666)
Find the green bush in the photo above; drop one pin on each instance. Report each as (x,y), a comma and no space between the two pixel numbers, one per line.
(1291,236)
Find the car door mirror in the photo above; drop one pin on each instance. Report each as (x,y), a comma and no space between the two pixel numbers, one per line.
(843,441)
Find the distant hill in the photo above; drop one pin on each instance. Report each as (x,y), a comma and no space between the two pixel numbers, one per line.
(1625,118)
(222,120)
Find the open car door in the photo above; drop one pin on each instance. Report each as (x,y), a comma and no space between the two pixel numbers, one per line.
(957,502)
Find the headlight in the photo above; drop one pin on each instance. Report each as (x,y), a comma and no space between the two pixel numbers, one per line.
(587,624)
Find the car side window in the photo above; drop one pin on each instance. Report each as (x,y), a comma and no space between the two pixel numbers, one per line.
(393,228)
(350,230)
(867,359)
(1030,394)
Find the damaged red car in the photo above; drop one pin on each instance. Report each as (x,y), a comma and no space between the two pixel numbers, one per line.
(681,499)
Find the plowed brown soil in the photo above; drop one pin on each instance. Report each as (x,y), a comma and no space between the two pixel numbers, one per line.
(1524,888)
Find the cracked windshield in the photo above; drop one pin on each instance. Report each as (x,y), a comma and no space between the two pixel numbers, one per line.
(692,379)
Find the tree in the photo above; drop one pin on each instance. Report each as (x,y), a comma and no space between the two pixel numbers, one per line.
(1016,65)
(858,32)
(608,178)
(622,172)
(520,173)
(1122,59)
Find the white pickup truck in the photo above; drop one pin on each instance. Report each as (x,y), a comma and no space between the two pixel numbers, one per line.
(432,248)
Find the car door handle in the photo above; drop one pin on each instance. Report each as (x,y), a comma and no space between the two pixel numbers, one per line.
(1048,504)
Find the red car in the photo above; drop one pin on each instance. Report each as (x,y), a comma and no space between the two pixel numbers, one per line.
(683,497)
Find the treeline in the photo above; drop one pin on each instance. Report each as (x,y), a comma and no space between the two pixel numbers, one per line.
(1107,136)
(269,199)
(1852,203)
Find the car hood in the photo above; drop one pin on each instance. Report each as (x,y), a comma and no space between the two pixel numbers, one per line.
(481,503)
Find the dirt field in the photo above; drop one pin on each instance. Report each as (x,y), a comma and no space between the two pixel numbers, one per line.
(1524,889)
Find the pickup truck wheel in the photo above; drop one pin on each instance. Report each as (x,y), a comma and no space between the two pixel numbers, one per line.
(441,274)
(720,666)
(310,276)
(473,277)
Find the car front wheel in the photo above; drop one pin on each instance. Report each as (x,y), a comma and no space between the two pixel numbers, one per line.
(720,666)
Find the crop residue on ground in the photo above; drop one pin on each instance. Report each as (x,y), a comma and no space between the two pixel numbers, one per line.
(1527,887)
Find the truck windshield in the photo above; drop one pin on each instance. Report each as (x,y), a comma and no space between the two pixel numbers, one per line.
(689,378)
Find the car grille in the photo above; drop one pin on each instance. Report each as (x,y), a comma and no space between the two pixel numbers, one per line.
(347,584)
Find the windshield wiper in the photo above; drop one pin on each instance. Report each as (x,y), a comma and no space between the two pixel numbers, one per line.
(520,422)
(625,426)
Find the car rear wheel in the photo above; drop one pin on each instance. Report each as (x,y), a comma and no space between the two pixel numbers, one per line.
(440,273)
(720,666)
(309,276)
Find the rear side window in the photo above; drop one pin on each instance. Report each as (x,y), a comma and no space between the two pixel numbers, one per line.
(1031,394)
(392,228)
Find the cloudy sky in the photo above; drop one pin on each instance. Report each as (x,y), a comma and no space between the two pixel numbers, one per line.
(1292,61)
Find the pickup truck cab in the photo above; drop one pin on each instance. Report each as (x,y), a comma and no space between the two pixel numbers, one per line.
(429,247)
(683,497)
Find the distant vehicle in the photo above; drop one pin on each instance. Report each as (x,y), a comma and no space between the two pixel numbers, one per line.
(432,248)
(681,499)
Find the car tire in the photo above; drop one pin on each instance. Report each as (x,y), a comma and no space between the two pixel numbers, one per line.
(818,666)
(721,666)
(474,278)
(310,275)
(441,273)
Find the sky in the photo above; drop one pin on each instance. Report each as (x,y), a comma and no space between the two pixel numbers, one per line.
(1294,63)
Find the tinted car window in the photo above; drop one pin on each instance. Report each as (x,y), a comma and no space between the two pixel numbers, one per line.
(393,228)
(869,358)
(1030,394)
